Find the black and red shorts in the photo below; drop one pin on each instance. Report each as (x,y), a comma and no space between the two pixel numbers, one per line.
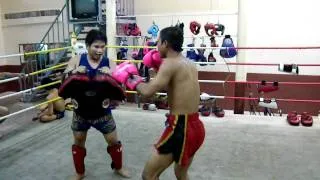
(183,136)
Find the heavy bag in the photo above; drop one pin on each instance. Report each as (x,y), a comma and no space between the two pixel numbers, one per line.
(228,50)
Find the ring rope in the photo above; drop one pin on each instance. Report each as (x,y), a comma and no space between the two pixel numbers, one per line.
(208,47)
(34,73)
(50,68)
(259,82)
(243,98)
(228,63)
(36,52)
(135,92)
(28,90)
(153,47)
(204,81)
(29,108)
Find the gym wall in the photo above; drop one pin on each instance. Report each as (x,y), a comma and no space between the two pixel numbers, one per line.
(188,7)
(24,30)
(2,61)
(183,6)
(282,23)
(267,24)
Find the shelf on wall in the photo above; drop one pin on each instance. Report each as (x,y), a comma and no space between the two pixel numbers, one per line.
(182,14)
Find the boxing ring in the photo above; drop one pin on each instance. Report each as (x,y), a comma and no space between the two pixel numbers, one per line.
(237,146)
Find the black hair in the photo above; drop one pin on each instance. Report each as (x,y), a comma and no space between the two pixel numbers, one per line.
(174,36)
(48,80)
(95,35)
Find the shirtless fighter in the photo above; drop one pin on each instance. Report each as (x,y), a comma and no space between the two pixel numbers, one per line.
(91,64)
(184,132)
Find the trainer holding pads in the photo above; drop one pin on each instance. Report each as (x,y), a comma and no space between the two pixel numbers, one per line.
(92,89)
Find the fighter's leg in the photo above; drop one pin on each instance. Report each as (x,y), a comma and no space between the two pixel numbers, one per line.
(4,111)
(79,128)
(107,127)
(50,109)
(156,165)
(48,118)
(79,153)
(181,172)
(48,114)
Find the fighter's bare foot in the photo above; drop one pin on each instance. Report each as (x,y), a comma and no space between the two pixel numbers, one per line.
(78,177)
(122,172)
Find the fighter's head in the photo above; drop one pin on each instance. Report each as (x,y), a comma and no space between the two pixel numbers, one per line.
(95,42)
(171,39)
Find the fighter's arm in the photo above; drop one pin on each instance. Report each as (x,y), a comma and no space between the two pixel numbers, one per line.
(112,65)
(72,64)
(160,82)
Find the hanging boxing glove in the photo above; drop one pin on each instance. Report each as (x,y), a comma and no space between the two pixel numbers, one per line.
(191,53)
(201,57)
(211,58)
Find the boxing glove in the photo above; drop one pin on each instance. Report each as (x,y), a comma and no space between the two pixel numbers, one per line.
(152,60)
(123,71)
(133,81)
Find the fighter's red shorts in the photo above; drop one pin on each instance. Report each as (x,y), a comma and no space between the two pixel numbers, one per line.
(183,136)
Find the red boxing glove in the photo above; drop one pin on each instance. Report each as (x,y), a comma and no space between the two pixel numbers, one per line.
(133,82)
(152,60)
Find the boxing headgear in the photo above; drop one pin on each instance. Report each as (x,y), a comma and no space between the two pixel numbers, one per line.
(180,25)
(153,30)
(195,27)
(220,28)
(210,29)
